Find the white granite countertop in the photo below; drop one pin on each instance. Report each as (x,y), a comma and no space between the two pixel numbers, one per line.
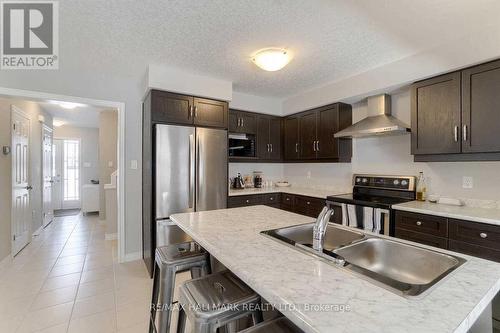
(306,191)
(474,214)
(285,276)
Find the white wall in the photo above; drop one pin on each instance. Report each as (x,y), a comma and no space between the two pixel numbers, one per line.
(89,149)
(247,102)
(391,155)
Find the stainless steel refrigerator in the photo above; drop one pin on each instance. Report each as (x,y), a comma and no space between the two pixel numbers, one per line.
(190,174)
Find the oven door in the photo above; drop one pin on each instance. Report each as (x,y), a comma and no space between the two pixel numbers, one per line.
(377,220)
(241,145)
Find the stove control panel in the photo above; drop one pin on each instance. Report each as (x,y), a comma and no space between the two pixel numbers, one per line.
(405,183)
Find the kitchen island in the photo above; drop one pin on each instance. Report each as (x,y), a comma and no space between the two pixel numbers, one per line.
(319,297)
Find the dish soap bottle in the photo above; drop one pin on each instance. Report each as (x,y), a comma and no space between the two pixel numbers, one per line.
(421,188)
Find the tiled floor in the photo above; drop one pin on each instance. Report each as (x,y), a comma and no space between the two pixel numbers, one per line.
(68,280)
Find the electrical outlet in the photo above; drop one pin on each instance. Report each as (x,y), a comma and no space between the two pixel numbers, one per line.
(467,182)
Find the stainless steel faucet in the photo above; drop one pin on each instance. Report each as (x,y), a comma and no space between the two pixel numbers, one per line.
(319,228)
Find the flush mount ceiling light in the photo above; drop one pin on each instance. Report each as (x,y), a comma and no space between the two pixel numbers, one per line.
(272,59)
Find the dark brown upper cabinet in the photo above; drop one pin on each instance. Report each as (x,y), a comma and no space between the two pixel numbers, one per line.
(435,123)
(456,117)
(242,122)
(269,138)
(211,113)
(173,108)
(291,138)
(307,135)
(316,129)
(481,108)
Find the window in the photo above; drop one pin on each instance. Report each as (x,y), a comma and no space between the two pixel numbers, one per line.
(71,168)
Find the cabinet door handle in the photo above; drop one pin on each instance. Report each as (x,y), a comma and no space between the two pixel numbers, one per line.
(195,111)
(287,199)
(317,145)
(247,201)
(455,133)
(296,147)
(271,199)
(242,122)
(271,145)
(419,223)
(190,113)
(309,202)
(465,132)
(483,235)
(314,145)
(238,122)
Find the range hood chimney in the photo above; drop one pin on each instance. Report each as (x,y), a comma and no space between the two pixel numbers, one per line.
(379,121)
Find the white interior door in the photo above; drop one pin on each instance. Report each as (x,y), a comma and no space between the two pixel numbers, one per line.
(48,210)
(57,165)
(21,210)
(66,187)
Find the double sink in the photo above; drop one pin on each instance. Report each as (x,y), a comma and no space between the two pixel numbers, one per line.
(402,268)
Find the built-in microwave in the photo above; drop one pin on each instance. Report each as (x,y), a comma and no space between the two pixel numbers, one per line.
(242,145)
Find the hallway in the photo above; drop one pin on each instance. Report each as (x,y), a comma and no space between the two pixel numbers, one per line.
(68,280)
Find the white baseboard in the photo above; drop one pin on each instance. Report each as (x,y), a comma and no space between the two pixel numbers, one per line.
(37,232)
(111,236)
(5,261)
(132,256)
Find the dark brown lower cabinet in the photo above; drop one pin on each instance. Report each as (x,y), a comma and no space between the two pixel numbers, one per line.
(299,204)
(472,238)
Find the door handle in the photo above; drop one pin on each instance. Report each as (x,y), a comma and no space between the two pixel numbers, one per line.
(239,122)
(271,145)
(465,132)
(268,149)
(190,114)
(455,133)
(314,145)
(317,145)
(191,170)
(195,112)
(29,187)
(242,122)
(296,147)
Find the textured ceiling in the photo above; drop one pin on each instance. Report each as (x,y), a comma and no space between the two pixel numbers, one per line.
(81,116)
(331,40)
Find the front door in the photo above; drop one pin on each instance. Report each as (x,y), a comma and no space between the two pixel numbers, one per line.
(21,211)
(48,210)
(66,186)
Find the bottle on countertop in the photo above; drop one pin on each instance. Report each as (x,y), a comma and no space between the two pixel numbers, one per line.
(421,188)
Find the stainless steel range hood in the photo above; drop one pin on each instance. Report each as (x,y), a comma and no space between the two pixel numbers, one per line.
(379,121)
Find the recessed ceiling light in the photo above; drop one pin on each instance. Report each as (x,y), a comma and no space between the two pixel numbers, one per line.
(272,59)
(67,105)
(58,122)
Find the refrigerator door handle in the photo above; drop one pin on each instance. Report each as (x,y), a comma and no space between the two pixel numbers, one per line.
(191,170)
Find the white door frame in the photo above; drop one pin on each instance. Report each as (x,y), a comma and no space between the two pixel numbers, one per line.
(120,107)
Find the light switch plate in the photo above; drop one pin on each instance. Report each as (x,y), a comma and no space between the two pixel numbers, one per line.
(133,164)
(467,182)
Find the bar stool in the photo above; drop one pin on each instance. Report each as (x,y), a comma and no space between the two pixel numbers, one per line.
(278,325)
(215,301)
(170,260)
